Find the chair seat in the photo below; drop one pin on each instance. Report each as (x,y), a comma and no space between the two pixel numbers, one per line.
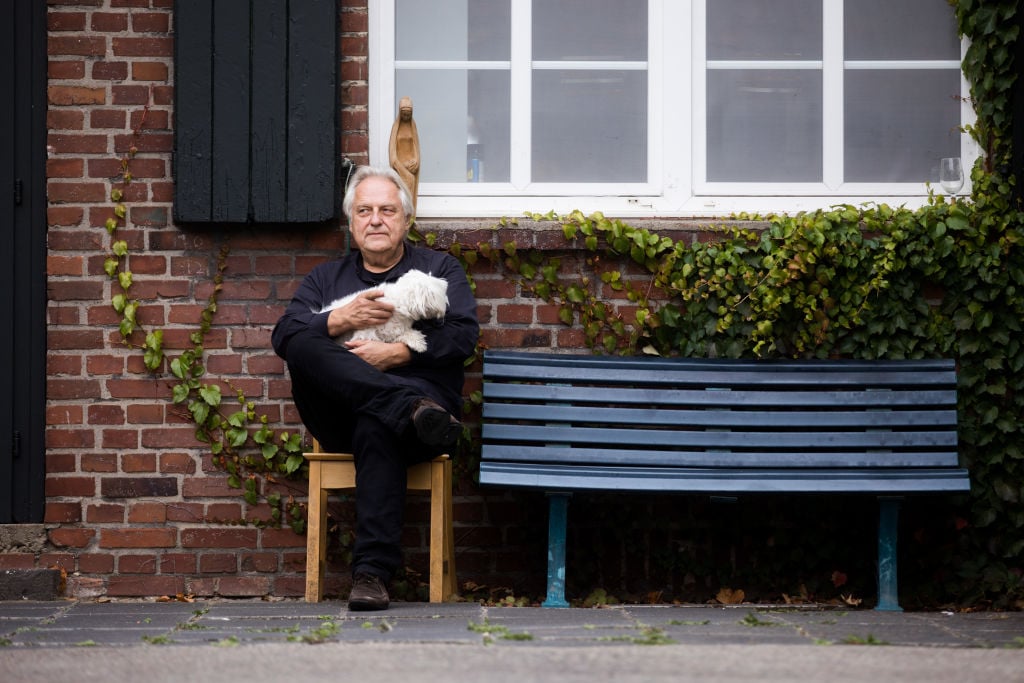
(336,471)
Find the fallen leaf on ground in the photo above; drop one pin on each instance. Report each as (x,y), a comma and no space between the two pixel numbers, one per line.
(728,596)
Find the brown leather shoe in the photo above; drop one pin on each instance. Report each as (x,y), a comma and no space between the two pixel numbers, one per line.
(434,425)
(368,593)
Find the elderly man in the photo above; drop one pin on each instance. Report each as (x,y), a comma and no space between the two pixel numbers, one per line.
(386,404)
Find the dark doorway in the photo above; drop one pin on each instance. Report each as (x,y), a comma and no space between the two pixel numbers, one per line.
(22,260)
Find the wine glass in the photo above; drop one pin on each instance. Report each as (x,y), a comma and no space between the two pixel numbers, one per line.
(951,175)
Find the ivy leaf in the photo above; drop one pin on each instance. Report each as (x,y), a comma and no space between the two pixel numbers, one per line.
(152,357)
(110,267)
(237,437)
(263,436)
(210,393)
(180,393)
(293,463)
(293,444)
(200,411)
(963,319)
(178,368)
(575,294)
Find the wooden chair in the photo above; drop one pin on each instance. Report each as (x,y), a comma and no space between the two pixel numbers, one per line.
(331,471)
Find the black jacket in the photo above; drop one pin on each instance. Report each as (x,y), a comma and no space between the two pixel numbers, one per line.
(449,342)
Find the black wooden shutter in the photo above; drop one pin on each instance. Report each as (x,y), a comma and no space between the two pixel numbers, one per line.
(256,101)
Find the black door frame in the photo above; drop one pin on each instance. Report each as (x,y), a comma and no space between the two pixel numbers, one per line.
(23,269)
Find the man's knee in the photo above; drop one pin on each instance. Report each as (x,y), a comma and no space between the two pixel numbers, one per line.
(306,353)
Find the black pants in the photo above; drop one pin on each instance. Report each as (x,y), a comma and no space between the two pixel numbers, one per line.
(351,407)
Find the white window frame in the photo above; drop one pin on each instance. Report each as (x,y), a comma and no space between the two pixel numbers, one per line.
(675,152)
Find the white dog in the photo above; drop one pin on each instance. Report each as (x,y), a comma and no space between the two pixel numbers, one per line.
(415,296)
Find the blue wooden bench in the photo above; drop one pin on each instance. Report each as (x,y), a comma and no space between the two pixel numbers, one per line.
(564,423)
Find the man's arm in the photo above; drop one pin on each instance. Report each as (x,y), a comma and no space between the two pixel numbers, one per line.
(301,314)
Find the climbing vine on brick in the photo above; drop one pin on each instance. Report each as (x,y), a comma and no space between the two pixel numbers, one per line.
(240,441)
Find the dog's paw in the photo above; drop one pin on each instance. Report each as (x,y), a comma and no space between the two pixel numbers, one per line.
(415,340)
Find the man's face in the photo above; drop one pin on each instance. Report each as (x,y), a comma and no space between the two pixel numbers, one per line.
(379,223)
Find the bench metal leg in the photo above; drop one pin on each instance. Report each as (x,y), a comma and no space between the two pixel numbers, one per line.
(888,518)
(558,514)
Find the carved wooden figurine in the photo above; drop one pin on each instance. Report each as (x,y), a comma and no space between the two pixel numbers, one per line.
(404,148)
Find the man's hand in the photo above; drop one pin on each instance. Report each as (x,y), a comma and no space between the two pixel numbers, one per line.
(366,310)
(380,355)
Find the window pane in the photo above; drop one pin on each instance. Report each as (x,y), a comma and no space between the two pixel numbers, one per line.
(755,29)
(589,126)
(907,29)
(452,29)
(454,109)
(589,30)
(764,126)
(899,123)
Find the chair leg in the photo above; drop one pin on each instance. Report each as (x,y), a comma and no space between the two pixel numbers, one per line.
(316,535)
(448,580)
(436,540)
(451,578)
(442,551)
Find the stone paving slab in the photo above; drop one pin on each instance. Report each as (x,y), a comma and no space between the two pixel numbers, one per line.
(126,623)
(270,641)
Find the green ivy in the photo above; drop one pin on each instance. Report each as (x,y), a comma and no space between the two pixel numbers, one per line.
(859,282)
(241,443)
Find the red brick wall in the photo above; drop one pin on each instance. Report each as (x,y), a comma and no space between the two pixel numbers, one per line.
(134,507)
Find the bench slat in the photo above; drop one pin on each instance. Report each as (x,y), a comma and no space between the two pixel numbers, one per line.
(628,457)
(723,480)
(715,372)
(790,419)
(539,435)
(703,397)
(574,361)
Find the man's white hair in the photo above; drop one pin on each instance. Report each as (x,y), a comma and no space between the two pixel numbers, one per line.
(364,172)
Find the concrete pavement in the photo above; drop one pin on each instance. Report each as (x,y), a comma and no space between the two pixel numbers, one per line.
(455,642)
